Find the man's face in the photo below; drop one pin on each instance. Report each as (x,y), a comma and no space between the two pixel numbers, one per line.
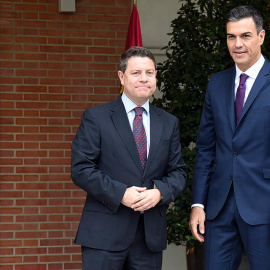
(139,79)
(244,43)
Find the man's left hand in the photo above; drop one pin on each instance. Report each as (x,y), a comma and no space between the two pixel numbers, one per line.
(146,200)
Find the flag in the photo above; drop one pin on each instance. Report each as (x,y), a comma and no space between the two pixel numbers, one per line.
(134,35)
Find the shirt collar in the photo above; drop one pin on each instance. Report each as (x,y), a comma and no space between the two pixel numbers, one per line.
(130,105)
(253,71)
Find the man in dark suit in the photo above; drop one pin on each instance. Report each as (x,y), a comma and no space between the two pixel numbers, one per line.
(131,167)
(232,170)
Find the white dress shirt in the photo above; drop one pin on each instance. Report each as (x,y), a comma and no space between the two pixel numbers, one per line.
(252,73)
(129,107)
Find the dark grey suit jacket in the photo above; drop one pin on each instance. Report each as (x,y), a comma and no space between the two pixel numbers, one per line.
(105,162)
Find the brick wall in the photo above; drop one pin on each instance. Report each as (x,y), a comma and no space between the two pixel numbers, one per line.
(54,66)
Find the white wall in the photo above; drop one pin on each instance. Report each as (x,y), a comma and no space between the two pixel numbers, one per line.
(155,19)
(174,258)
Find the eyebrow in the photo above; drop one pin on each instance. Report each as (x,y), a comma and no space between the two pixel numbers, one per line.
(245,33)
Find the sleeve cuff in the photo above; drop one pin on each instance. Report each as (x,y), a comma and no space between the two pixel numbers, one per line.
(197,204)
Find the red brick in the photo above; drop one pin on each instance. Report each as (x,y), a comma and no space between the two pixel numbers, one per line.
(11,145)
(56,266)
(12,178)
(13,161)
(55,250)
(27,7)
(56,137)
(55,194)
(25,251)
(31,243)
(31,210)
(6,251)
(30,259)
(31,105)
(73,265)
(53,67)
(10,243)
(6,186)
(8,259)
(24,266)
(31,186)
(54,218)
(55,210)
(54,242)
(7,267)
(32,218)
(31,202)
(30,88)
(34,234)
(30,194)
(31,154)
(55,226)
(7,219)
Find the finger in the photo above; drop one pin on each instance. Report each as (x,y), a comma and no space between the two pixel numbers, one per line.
(140,189)
(201,227)
(195,232)
(141,205)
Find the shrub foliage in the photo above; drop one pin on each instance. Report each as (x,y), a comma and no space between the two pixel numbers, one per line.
(196,51)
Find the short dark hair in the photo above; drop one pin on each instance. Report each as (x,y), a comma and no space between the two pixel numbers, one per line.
(135,52)
(243,12)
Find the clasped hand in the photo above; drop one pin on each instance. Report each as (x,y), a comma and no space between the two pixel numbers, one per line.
(140,198)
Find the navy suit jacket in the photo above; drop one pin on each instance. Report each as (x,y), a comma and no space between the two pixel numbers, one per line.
(240,154)
(105,162)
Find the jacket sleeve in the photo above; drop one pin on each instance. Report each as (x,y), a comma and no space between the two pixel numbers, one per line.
(174,180)
(84,165)
(205,157)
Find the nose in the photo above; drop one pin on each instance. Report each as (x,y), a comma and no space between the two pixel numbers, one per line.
(143,77)
(238,42)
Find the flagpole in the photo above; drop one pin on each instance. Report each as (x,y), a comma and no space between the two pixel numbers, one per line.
(135,2)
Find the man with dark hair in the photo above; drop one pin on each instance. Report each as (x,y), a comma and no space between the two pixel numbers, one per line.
(232,170)
(127,156)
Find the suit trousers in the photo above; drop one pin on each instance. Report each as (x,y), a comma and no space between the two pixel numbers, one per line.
(228,234)
(136,257)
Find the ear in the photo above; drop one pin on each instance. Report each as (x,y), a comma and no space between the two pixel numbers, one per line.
(262,36)
(121,77)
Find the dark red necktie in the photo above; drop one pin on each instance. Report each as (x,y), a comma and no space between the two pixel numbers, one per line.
(240,96)
(140,135)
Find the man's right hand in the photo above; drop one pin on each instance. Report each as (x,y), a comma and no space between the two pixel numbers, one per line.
(130,194)
(196,223)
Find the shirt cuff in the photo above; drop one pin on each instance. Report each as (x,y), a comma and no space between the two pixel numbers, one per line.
(155,186)
(197,204)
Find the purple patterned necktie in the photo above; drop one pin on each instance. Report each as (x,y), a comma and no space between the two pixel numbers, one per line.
(140,135)
(240,96)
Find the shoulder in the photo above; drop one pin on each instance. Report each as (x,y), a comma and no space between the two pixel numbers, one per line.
(223,74)
(162,113)
(102,109)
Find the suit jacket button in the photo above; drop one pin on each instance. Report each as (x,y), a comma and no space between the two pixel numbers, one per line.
(231,177)
(235,154)
(143,181)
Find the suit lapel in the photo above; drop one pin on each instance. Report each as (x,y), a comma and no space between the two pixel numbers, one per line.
(121,123)
(156,126)
(230,96)
(256,88)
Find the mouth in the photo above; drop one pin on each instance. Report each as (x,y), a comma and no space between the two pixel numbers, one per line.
(239,53)
(143,86)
